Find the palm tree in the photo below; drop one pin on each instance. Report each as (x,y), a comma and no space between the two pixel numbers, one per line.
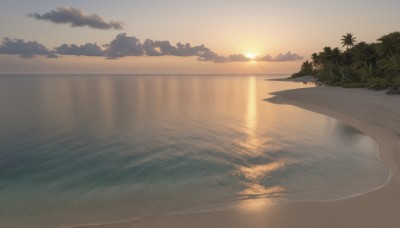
(330,60)
(391,66)
(358,53)
(389,44)
(348,40)
(367,72)
(376,65)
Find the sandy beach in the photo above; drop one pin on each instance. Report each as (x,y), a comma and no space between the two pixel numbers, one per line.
(373,113)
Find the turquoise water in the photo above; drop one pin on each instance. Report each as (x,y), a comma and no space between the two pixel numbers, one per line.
(97,149)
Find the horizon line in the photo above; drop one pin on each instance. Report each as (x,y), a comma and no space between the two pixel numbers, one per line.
(104,74)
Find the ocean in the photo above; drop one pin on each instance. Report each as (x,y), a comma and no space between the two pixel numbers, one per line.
(93,149)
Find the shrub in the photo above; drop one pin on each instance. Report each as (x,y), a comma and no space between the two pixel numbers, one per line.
(396,82)
(378,83)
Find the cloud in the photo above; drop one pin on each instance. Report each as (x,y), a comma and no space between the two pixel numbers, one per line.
(288,57)
(267,58)
(239,58)
(161,48)
(188,50)
(152,48)
(85,50)
(123,46)
(26,49)
(52,55)
(76,18)
(281,57)
(212,56)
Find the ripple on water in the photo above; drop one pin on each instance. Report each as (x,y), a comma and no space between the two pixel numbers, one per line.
(99,149)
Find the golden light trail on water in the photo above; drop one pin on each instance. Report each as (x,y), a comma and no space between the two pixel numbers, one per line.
(255,173)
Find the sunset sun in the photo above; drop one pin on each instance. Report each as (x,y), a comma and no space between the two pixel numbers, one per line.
(251,56)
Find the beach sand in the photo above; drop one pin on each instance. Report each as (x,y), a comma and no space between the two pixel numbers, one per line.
(373,113)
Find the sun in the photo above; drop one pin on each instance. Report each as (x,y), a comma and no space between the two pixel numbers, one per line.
(251,56)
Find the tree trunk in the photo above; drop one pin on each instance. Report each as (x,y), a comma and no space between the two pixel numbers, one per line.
(343,74)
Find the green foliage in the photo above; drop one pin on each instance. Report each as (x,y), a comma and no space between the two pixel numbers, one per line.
(389,44)
(336,84)
(377,83)
(322,76)
(372,65)
(396,82)
(391,65)
(366,72)
(363,55)
(306,69)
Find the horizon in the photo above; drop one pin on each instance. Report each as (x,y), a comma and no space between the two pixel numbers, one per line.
(167,74)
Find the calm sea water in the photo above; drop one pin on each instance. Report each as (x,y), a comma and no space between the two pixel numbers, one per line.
(96,149)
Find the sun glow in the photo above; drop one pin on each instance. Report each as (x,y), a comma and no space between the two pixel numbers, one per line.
(251,56)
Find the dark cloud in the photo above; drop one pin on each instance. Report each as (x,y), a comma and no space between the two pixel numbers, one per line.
(288,57)
(238,58)
(52,55)
(188,50)
(220,59)
(124,45)
(281,57)
(164,47)
(152,48)
(76,18)
(267,58)
(213,57)
(160,48)
(26,49)
(85,50)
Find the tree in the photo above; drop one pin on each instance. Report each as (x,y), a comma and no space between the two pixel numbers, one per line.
(348,40)
(375,65)
(366,72)
(389,44)
(363,54)
(306,70)
(391,66)
(327,64)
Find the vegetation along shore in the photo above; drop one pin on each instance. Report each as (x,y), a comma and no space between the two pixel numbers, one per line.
(371,65)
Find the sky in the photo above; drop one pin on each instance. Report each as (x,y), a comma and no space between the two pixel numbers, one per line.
(214,36)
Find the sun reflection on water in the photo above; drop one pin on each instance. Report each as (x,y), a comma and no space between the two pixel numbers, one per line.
(255,175)
(255,146)
(252,141)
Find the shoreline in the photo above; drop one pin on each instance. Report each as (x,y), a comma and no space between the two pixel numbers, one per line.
(371,112)
(304,79)
(288,98)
